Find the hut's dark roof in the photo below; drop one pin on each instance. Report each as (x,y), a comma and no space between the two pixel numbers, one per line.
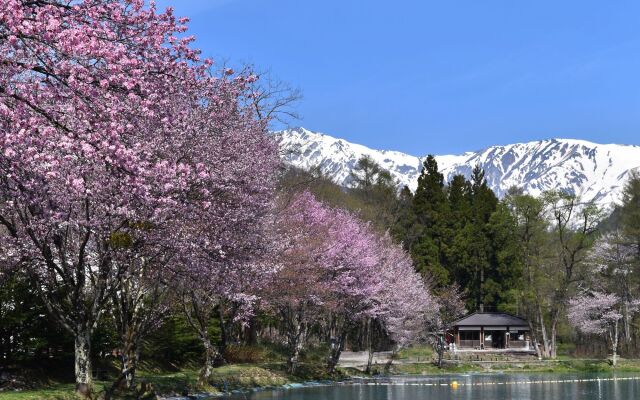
(491,319)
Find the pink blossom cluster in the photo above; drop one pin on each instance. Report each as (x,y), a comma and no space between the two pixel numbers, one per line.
(126,166)
(89,91)
(407,305)
(609,300)
(595,313)
(332,264)
(108,118)
(117,145)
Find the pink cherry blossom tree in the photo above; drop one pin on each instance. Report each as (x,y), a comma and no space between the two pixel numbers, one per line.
(218,232)
(102,109)
(325,273)
(353,280)
(212,228)
(332,268)
(608,303)
(230,289)
(296,292)
(613,261)
(597,314)
(407,302)
(406,305)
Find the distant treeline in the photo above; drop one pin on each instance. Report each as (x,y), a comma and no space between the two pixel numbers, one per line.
(534,256)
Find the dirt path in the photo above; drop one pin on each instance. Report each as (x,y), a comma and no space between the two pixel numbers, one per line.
(358,359)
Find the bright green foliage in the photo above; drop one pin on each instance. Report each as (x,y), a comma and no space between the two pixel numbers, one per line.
(532,238)
(504,280)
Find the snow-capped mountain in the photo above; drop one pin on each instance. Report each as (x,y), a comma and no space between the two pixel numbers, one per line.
(594,171)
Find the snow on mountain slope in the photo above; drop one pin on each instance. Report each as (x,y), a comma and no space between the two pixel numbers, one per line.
(594,171)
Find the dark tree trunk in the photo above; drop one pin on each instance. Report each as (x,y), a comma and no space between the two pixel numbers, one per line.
(335,349)
(369,347)
(224,332)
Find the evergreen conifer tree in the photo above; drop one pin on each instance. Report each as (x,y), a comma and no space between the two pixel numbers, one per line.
(405,228)
(429,206)
(459,198)
(630,211)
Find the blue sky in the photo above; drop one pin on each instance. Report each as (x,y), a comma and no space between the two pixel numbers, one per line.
(440,76)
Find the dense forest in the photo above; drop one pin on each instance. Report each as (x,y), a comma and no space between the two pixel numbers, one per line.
(546,258)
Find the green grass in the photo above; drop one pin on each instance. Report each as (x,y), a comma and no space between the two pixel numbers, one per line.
(234,376)
(433,369)
(228,376)
(247,376)
(51,392)
(273,373)
(172,382)
(403,365)
(417,353)
(269,371)
(558,366)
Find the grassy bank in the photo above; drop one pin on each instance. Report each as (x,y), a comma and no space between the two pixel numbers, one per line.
(251,367)
(269,371)
(563,366)
(421,361)
(224,378)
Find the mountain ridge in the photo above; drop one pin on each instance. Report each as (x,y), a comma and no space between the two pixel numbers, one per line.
(591,170)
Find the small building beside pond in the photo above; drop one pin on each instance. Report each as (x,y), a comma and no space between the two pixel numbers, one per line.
(491,331)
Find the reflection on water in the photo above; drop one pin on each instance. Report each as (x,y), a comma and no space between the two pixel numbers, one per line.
(472,387)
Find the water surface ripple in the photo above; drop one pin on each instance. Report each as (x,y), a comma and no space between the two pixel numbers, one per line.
(469,387)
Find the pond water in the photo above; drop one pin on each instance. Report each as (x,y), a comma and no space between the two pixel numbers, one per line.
(470,387)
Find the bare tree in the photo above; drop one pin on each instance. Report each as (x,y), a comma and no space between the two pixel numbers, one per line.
(274,100)
(574,229)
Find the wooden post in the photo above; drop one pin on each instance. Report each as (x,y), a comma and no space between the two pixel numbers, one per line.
(457,338)
(507,336)
(482,337)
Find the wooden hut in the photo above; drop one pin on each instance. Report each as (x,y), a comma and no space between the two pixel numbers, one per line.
(491,331)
